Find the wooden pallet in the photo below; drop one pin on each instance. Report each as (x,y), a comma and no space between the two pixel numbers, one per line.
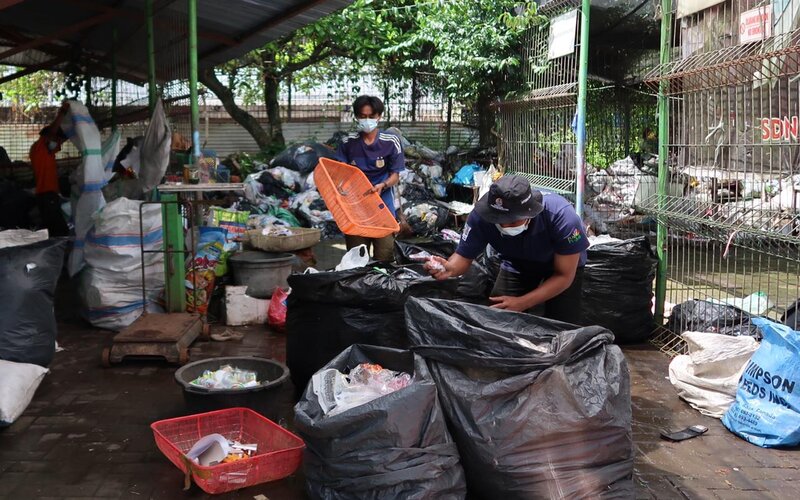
(165,335)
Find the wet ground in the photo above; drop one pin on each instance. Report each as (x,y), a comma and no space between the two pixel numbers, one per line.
(86,434)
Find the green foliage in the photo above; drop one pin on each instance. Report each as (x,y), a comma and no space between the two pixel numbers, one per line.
(32,92)
(471,44)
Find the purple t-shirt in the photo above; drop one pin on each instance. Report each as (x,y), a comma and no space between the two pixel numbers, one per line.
(377,160)
(557,230)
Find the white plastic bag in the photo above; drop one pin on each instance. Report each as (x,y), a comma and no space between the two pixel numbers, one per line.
(707,377)
(354,258)
(19,383)
(154,153)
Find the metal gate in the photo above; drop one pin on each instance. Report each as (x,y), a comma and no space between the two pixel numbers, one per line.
(730,106)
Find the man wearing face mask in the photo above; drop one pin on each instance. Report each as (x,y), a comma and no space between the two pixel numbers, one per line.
(380,156)
(45,171)
(541,241)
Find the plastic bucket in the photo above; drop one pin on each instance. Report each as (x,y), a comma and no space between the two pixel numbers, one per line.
(261,272)
(271,374)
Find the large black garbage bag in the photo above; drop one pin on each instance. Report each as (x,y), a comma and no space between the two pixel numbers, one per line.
(618,288)
(396,446)
(704,316)
(27,319)
(790,317)
(328,312)
(302,158)
(477,283)
(404,249)
(538,408)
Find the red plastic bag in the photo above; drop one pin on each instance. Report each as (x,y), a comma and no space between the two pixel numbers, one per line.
(276,315)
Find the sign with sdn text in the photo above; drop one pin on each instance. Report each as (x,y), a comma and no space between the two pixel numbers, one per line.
(780,129)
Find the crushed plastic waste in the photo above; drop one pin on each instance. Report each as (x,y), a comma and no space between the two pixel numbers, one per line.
(366,382)
(227,377)
(214,449)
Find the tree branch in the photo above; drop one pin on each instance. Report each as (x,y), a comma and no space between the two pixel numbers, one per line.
(320,53)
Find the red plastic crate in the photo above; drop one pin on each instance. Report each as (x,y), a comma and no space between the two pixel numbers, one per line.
(357,212)
(279,451)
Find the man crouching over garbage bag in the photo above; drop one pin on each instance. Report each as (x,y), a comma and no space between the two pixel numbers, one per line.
(541,241)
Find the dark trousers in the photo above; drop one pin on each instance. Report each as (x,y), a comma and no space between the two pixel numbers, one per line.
(49,205)
(382,248)
(563,307)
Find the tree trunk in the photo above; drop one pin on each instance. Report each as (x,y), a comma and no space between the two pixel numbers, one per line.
(242,117)
(271,96)
(486,120)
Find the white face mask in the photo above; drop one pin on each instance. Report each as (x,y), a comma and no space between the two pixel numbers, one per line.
(367,125)
(512,231)
(52,145)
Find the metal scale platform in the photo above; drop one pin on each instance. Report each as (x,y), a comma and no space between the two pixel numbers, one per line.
(165,335)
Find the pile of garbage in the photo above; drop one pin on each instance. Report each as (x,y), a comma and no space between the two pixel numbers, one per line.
(227,377)
(366,382)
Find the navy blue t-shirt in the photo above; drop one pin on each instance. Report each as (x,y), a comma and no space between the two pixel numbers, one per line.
(557,230)
(377,160)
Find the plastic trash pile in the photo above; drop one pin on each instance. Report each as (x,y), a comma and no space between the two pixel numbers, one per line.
(214,449)
(366,382)
(227,377)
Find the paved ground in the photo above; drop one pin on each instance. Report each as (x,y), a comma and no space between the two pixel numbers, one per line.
(87,434)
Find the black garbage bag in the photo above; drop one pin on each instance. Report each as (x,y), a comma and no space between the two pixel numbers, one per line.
(27,319)
(705,316)
(790,317)
(303,157)
(396,446)
(538,408)
(618,288)
(328,312)
(404,249)
(477,283)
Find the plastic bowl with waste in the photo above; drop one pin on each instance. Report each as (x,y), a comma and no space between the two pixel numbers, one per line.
(261,398)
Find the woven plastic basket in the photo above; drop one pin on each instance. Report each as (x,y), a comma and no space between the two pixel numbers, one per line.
(303,237)
(279,451)
(357,211)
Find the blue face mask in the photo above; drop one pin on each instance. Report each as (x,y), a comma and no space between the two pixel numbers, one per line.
(367,125)
(52,145)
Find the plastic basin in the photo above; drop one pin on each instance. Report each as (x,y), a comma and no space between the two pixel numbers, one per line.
(261,272)
(262,398)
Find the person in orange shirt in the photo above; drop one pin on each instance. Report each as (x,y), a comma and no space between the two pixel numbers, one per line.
(43,161)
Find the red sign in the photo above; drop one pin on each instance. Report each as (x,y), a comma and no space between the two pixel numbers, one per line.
(780,129)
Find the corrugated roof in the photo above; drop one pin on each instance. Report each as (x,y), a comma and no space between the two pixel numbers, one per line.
(57,34)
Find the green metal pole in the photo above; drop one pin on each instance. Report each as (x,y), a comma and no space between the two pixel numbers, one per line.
(114,80)
(174,267)
(151,55)
(193,80)
(583,88)
(663,163)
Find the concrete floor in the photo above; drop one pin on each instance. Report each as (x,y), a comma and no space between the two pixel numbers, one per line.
(86,433)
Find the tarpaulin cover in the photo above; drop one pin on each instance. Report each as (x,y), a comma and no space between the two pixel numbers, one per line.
(396,446)
(27,319)
(330,311)
(618,288)
(538,408)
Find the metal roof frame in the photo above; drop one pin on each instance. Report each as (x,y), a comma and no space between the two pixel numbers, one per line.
(43,34)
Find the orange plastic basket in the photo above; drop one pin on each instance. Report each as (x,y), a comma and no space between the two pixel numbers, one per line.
(279,451)
(357,212)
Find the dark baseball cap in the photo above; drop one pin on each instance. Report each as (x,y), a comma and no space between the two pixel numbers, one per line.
(509,199)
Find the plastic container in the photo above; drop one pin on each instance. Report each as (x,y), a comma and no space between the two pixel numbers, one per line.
(199,399)
(261,272)
(279,451)
(357,211)
(302,237)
